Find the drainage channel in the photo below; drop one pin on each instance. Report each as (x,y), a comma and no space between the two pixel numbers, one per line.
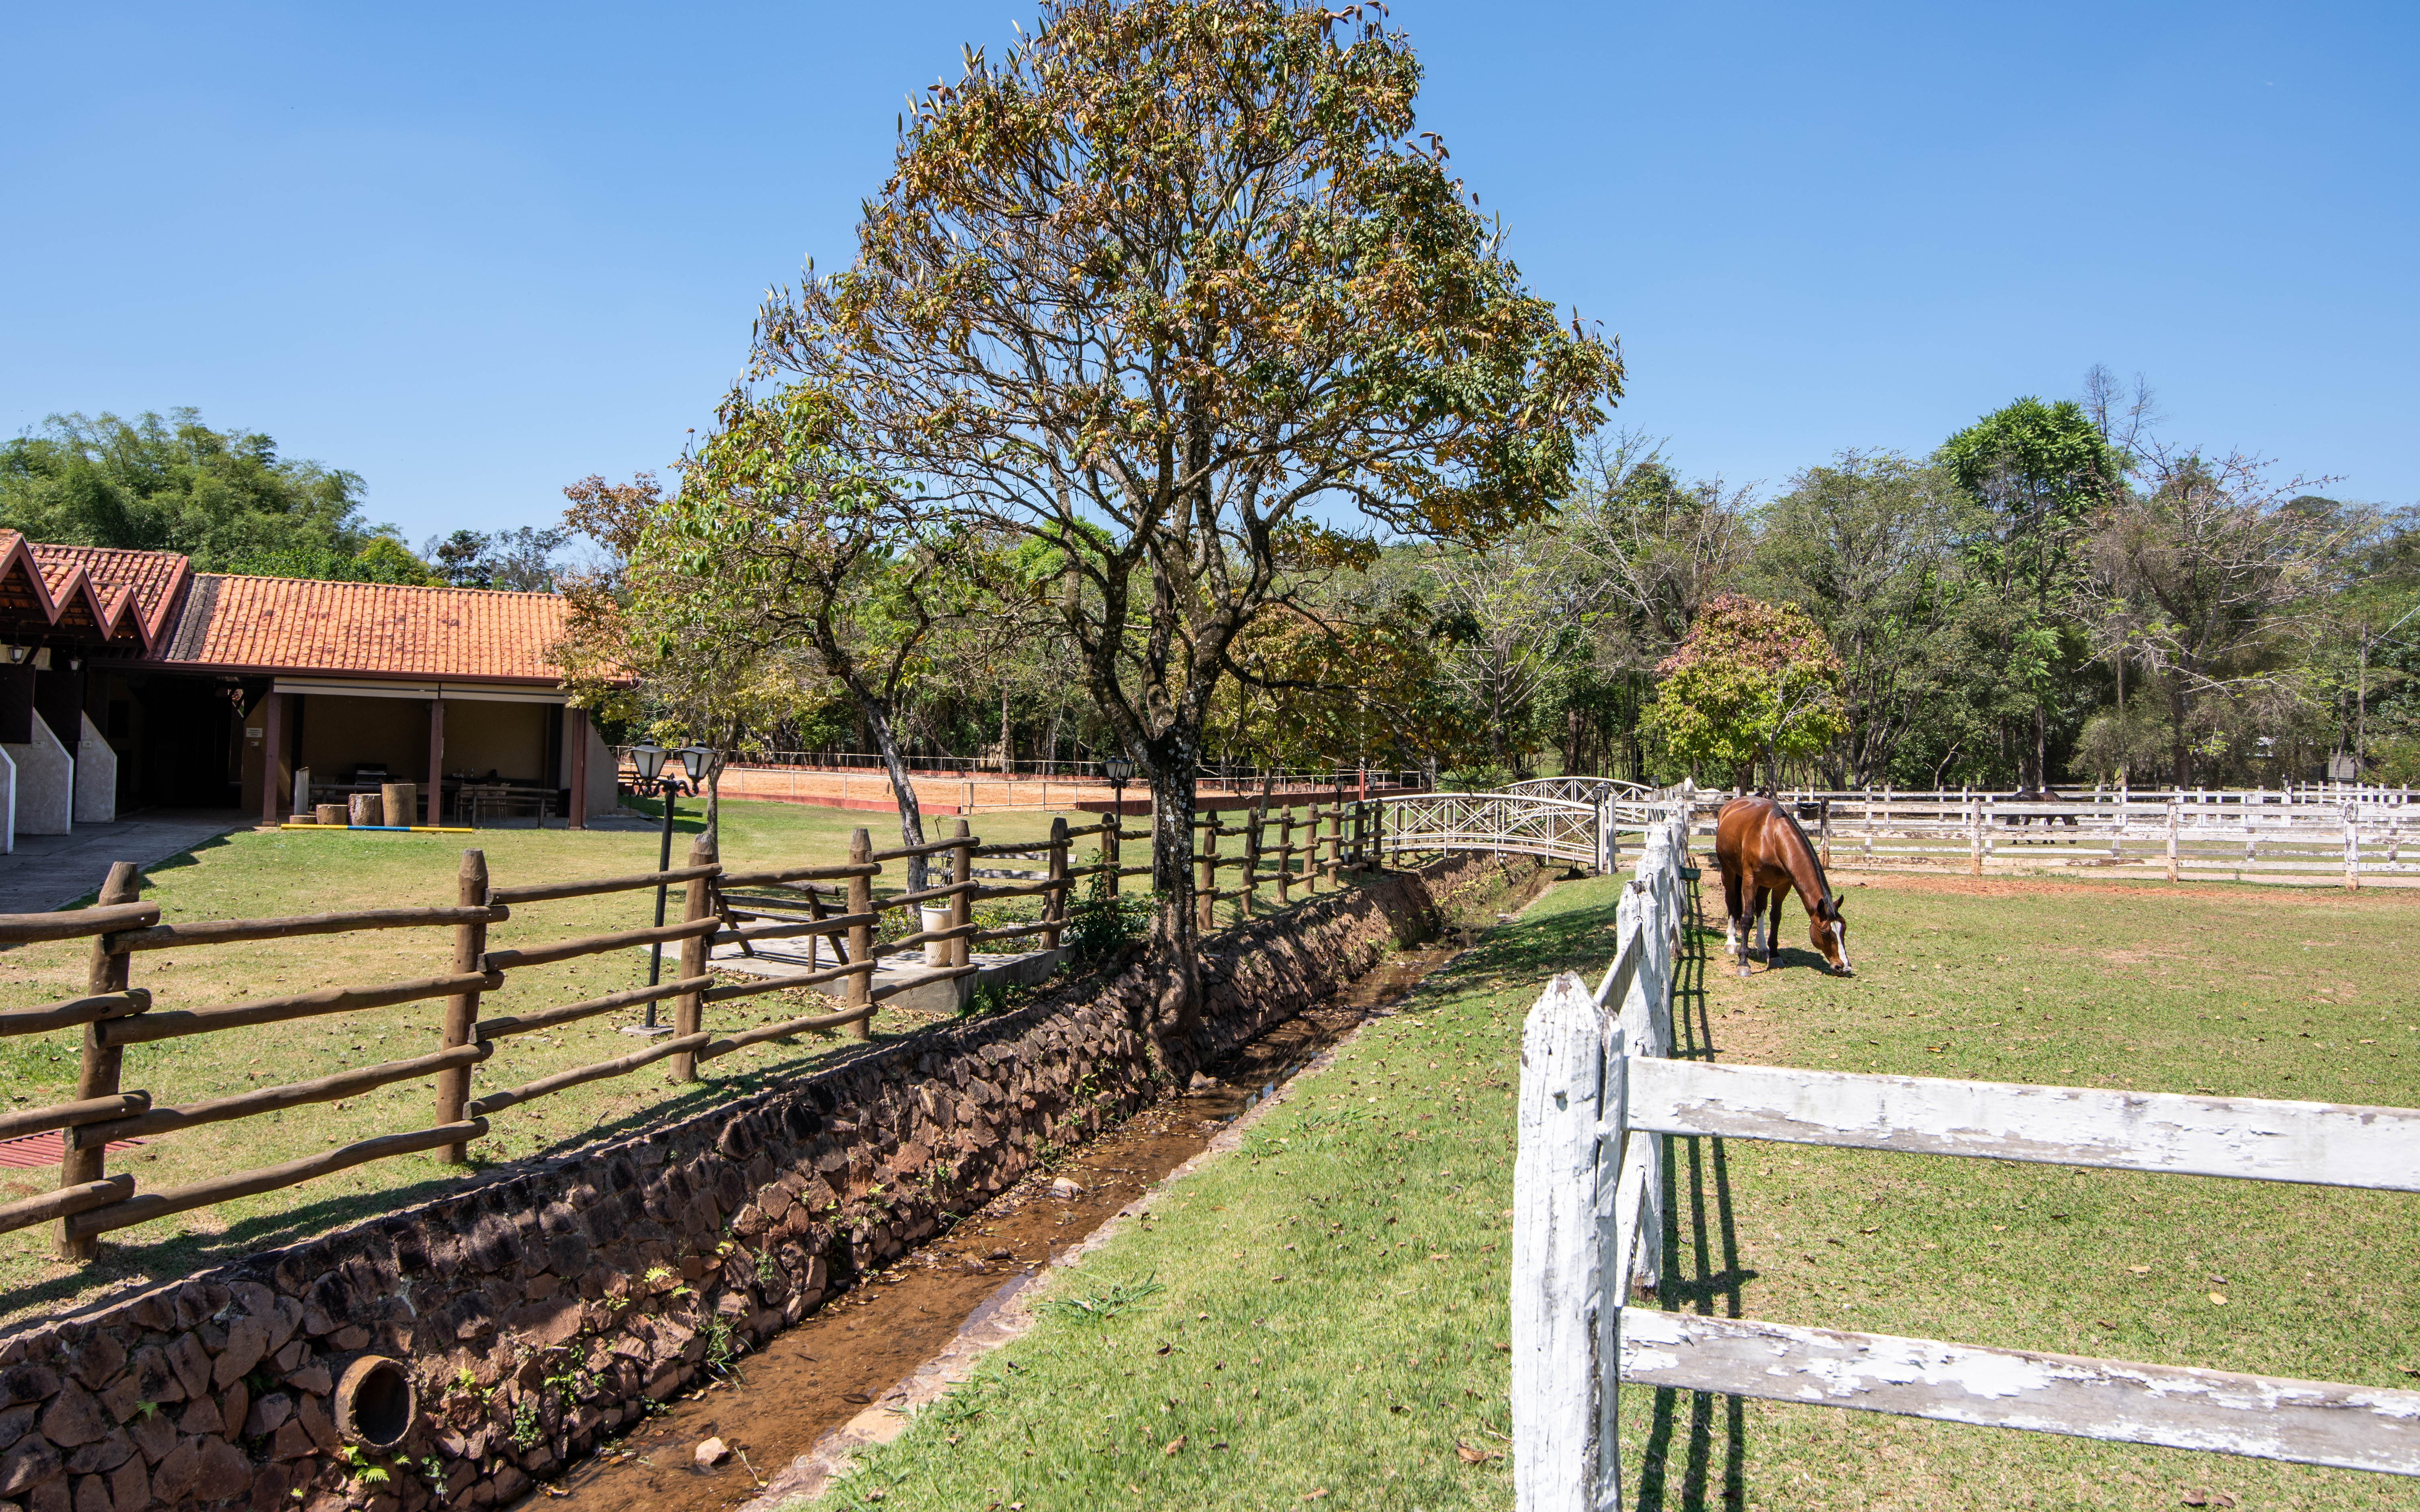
(858,1346)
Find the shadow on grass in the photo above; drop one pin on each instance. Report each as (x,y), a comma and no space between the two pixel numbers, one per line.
(136,1264)
(1706,1276)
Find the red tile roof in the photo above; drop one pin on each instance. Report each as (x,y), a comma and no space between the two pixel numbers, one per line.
(154,603)
(296,624)
(122,597)
(149,579)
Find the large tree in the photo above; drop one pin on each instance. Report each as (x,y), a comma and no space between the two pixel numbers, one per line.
(1752,683)
(1172,289)
(224,498)
(2038,470)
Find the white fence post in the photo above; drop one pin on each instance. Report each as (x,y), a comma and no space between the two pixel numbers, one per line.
(2352,848)
(1564,1367)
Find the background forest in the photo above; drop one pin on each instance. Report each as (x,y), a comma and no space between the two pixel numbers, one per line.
(2057,594)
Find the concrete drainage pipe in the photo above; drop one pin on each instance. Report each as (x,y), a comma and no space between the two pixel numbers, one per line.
(375,1403)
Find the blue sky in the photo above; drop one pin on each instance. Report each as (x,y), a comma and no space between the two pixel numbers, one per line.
(474,253)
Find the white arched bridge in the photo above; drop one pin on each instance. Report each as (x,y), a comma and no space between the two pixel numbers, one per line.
(1578,820)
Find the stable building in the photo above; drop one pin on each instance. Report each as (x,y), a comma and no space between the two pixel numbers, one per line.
(128,681)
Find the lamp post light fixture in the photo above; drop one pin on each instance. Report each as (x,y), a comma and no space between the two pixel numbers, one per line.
(1119,771)
(654,783)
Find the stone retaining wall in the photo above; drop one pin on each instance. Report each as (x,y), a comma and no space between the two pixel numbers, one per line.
(541,1311)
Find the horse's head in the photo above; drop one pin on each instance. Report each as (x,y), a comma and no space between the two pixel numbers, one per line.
(1830,932)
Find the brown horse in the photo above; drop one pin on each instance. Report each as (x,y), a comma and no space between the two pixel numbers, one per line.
(1763,854)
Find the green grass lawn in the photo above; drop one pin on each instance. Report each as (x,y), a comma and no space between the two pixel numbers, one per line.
(1330,1308)
(275,873)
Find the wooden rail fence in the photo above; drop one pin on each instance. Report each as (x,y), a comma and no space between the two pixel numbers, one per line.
(1599,1091)
(834,906)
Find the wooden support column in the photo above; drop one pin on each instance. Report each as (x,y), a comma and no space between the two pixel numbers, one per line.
(272,746)
(860,988)
(1285,855)
(689,1008)
(436,762)
(962,906)
(1054,903)
(97,1073)
(1205,877)
(575,733)
(1110,836)
(462,1012)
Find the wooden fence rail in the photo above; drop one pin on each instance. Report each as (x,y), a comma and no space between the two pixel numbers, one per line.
(1599,1091)
(778,904)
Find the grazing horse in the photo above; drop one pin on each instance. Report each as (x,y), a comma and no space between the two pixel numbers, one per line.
(1764,853)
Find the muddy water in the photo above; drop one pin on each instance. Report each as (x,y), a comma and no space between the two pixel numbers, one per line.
(827,1370)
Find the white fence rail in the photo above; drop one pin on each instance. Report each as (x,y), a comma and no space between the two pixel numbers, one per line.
(1599,1093)
(2233,835)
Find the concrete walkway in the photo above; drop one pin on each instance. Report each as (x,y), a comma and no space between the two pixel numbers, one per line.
(47,872)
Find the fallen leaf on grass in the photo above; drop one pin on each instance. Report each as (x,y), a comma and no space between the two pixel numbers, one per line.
(1173,1444)
(2218,1299)
(2140,1270)
(2106,1324)
(1313,1496)
(1470,1456)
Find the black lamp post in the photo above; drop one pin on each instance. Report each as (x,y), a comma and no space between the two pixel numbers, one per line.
(1119,771)
(654,783)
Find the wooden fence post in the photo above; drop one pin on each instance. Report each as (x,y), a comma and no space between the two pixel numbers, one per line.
(2352,848)
(1565,1311)
(962,903)
(2177,807)
(1335,845)
(97,1071)
(860,990)
(1205,877)
(463,1011)
(1254,818)
(1310,851)
(1054,902)
(1110,836)
(1824,827)
(1285,853)
(689,1008)
(1974,839)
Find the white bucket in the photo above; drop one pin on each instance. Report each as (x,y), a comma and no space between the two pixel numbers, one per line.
(936,916)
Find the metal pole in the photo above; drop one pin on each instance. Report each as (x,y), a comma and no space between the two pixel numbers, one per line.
(664,863)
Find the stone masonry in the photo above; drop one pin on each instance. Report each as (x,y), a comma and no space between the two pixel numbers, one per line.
(543,1310)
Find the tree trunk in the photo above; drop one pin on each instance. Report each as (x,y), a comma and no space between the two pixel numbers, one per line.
(1174,766)
(911,818)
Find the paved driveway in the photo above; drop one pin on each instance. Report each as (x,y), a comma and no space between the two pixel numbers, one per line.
(48,872)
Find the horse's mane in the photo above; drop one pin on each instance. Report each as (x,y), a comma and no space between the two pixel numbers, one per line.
(1814,856)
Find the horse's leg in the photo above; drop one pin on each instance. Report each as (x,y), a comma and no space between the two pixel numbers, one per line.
(1750,899)
(1773,927)
(1735,930)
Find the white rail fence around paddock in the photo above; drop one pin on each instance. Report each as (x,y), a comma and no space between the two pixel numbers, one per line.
(1599,1093)
(2231,835)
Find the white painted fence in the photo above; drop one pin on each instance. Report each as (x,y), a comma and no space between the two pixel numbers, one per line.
(1599,1093)
(2240,835)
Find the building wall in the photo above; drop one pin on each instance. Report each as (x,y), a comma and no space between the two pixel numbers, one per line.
(340,732)
(45,782)
(508,739)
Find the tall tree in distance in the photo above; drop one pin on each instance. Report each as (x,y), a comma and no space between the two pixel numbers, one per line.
(1753,684)
(2039,470)
(1171,289)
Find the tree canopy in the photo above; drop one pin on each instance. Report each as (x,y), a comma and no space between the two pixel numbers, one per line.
(173,484)
(1173,289)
